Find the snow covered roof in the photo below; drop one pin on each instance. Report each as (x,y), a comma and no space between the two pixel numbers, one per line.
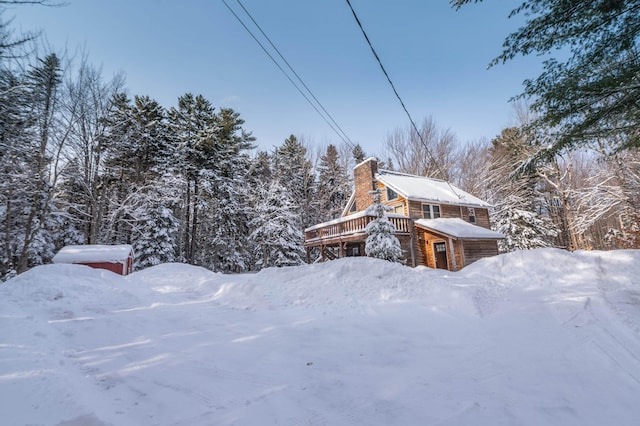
(347,207)
(420,188)
(458,228)
(93,253)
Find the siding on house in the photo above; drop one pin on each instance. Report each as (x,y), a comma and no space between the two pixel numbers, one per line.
(449,211)
(464,243)
(476,250)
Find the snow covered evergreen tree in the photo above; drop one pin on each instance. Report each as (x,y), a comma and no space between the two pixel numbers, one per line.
(155,229)
(333,185)
(134,159)
(212,156)
(358,154)
(381,242)
(228,195)
(144,192)
(295,172)
(192,125)
(275,236)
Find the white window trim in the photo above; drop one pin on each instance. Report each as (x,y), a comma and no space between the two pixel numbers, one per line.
(431,215)
(472,213)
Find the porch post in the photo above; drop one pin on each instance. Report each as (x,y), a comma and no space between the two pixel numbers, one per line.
(414,263)
(453,255)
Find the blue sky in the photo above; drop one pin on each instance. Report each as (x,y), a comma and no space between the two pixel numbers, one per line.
(436,56)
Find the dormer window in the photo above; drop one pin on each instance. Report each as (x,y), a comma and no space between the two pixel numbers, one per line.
(391,194)
(472,215)
(430,211)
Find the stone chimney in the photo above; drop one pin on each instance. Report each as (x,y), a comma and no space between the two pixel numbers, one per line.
(364,181)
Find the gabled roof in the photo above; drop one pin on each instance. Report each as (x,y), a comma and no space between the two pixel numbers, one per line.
(417,188)
(93,253)
(459,229)
(345,211)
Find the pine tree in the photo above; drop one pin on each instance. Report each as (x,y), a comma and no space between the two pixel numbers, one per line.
(358,154)
(228,195)
(275,236)
(134,158)
(593,93)
(192,124)
(333,185)
(381,241)
(295,172)
(155,229)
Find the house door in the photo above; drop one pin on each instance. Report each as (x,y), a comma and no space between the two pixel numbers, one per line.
(440,254)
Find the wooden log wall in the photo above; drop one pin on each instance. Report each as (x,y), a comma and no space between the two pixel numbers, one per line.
(476,250)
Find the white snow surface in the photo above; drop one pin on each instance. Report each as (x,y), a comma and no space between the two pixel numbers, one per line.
(93,253)
(543,337)
(458,228)
(420,188)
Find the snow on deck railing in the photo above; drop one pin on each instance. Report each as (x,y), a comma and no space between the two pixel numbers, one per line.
(352,225)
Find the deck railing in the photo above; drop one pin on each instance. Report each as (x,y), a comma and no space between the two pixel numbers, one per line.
(350,226)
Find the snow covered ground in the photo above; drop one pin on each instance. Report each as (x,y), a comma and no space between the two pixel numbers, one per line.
(544,337)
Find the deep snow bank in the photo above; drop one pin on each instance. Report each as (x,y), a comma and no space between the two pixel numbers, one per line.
(535,337)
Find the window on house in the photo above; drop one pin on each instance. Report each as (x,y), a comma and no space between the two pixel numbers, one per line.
(399,209)
(391,194)
(472,215)
(430,211)
(353,207)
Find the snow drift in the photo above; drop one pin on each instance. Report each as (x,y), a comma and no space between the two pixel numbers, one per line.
(528,338)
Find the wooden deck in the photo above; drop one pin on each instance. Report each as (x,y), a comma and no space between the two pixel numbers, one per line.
(349,229)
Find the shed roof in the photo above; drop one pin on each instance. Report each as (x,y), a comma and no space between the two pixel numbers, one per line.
(458,228)
(420,188)
(93,253)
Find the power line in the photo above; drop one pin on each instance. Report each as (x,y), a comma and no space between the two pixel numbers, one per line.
(295,73)
(413,124)
(342,136)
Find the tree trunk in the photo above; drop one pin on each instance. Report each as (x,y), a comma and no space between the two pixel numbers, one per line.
(194,222)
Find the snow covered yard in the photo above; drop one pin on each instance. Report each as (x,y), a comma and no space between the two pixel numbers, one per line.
(543,337)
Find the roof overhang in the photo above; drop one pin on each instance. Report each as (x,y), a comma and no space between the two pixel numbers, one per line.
(91,253)
(347,208)
(453,196)
(458,229)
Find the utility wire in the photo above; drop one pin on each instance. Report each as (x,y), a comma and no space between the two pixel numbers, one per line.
(344,138)
(413,124)
(296,74)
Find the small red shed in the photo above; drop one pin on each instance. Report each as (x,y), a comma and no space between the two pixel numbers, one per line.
(115,258)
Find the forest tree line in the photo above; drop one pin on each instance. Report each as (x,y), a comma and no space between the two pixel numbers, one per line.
(83,162)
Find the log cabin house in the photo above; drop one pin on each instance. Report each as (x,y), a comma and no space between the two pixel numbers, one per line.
(437,224)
